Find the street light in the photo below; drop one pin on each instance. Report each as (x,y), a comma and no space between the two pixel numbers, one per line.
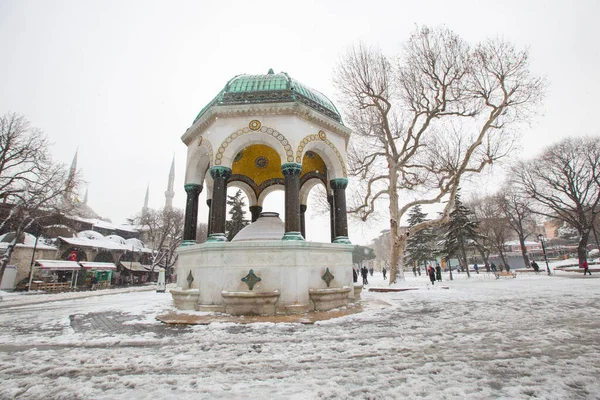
(541,239)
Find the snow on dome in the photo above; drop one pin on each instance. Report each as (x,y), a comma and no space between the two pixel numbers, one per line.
(91,235)
(26,238)
(267,227)
(136,243)
(116,239)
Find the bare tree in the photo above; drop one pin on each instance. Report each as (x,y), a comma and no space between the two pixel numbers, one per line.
(32,186)
(164,229)
(516,208)
(564,182)
(441,112)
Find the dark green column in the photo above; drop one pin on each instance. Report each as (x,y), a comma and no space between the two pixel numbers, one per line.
(219,203)
(291,173)
(338,186)
(302,220)
(255,211)
(208,203)
(331,217)
(191,213)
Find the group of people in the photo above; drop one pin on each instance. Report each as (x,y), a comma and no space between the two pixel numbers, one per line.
(364,273)
(435,274)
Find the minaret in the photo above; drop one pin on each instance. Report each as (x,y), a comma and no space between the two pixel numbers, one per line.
(145,208)
(169,194)
(68,196)
(85,198)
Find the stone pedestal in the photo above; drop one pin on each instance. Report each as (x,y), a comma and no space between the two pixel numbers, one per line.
(357,290)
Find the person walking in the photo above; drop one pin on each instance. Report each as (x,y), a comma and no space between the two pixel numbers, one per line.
(493,267)
(438,272)
(586,268)
(487,267)
(536,267)
(384,271)
(415,270)
(431,273)
(476,268)
(365,273)
(354,275)
(371,270)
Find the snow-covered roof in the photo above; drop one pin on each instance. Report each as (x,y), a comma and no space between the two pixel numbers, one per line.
(91,235)
(116,239)
(28,241)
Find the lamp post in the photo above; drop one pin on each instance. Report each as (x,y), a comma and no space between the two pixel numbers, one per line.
(541,239)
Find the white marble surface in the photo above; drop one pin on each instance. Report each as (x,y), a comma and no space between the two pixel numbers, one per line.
(290,267)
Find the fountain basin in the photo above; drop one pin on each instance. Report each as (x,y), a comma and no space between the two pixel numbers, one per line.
(185,299)
(250,303)
(330,298)
(289,267)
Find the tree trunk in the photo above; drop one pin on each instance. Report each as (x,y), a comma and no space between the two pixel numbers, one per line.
(582,247)
(464,254)
(397,244)
(524,251)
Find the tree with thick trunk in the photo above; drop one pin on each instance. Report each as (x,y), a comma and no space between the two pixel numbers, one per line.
(564,183)
(442,111)
(516,208)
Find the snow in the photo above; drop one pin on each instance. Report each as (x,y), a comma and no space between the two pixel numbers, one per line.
(533,336)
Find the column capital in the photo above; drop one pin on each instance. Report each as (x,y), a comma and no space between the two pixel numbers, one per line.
(291,168)
(219,171)
(339,183)
(192,187)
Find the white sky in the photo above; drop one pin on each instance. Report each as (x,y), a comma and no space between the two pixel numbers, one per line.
(123,80)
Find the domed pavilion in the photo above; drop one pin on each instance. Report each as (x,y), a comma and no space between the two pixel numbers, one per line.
(263,133)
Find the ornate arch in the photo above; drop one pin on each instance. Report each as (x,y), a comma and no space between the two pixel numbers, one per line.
(197,164)
(320,137)
(285,152)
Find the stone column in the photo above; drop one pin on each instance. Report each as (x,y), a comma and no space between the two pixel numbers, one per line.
(339,200)
(291,173)
(331,217)
(302,220)
(191,213)
(218,207)
(208,203)
(255,211)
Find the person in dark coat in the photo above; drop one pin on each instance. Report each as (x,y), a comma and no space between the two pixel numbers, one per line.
(384,271)
(365,272)
(438,272)
(415,270)
(431,272)
(535,267)
(354,275)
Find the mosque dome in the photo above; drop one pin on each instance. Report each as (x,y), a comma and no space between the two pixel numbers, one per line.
(271,88)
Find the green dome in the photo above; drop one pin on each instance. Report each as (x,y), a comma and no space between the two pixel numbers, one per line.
(272,88)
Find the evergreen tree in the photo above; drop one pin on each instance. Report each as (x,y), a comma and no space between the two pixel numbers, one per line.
(420,246)
(237,222)
(361,254)
(460,229)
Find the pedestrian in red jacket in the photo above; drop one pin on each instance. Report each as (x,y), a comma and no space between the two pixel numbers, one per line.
(586,268)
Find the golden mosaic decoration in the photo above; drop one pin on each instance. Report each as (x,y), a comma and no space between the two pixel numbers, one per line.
(322,135)
(254,125)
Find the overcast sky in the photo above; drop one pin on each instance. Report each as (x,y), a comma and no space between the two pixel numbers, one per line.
(123,80)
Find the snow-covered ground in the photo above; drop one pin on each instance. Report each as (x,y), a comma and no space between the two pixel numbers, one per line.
(534,336)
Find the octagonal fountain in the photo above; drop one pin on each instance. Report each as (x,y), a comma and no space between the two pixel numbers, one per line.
(263,133)
(258,273)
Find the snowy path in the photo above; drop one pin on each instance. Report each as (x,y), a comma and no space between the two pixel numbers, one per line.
(534,336)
